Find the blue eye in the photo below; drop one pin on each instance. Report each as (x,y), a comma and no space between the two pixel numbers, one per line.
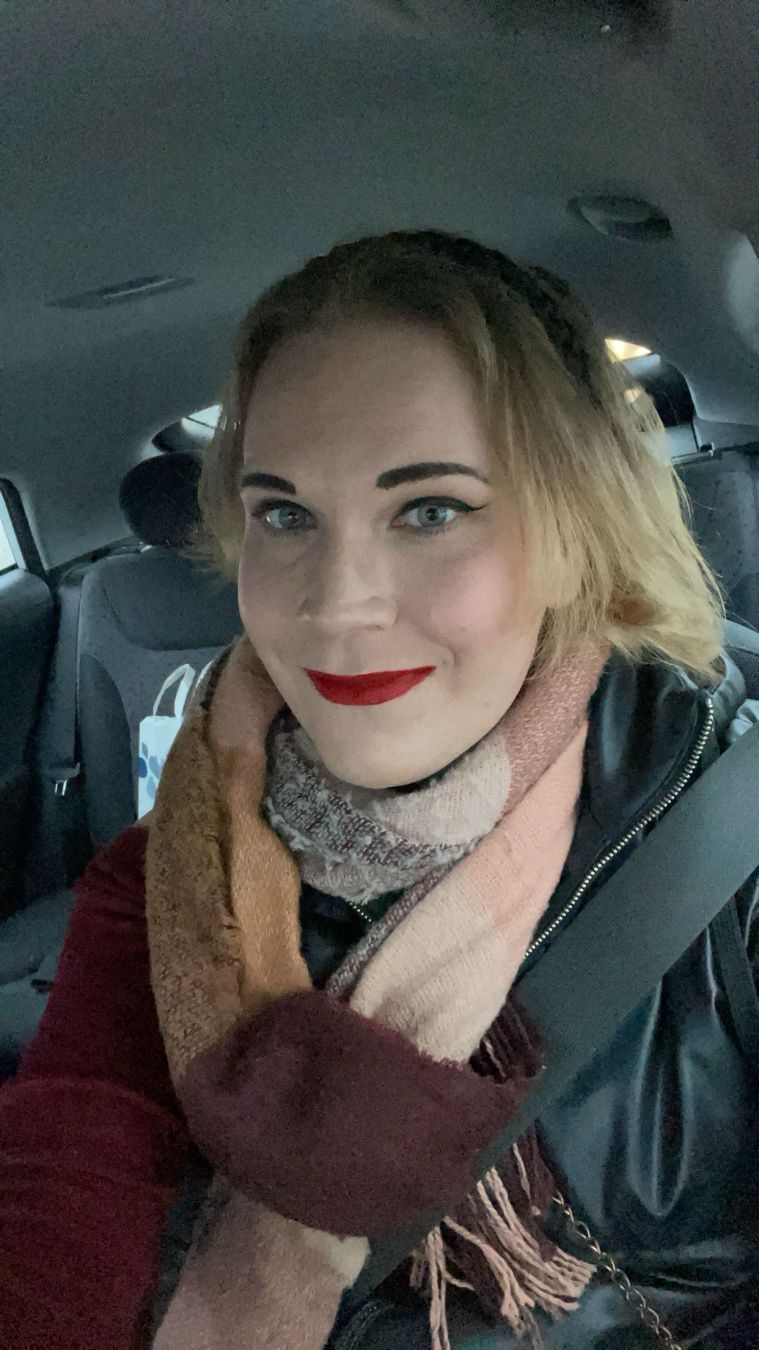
(422,504)
(265,509)
(432,515)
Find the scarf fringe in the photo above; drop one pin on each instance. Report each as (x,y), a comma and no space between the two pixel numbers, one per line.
(522,1278)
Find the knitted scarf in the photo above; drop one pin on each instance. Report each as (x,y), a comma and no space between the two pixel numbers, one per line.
(333,1117)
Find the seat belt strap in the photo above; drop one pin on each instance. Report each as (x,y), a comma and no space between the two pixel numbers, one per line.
(738,980)
(63,769)
(616,950)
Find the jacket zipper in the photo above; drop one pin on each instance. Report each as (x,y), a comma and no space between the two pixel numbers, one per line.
(674,792)
(361,1321)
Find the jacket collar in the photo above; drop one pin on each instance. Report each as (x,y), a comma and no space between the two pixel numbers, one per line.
(644,719)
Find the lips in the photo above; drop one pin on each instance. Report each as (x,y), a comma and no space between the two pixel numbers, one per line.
(363,690)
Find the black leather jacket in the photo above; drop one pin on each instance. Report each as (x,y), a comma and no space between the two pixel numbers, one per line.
(657,1142)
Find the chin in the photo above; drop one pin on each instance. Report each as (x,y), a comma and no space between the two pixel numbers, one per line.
(372,776)
(372,771)
(376,775)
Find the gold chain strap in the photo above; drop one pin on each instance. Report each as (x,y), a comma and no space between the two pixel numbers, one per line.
(648,1315)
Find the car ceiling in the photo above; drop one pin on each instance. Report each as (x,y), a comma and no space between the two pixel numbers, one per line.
(226,141)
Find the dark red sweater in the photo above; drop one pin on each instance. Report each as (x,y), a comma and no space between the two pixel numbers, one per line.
(72,1275)
(94,1146)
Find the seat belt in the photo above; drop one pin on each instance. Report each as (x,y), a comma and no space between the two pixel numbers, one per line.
(738,979)
(63,768)
(617,949)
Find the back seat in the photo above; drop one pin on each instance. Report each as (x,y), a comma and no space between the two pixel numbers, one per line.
(724,494)
(141,618)
(141,615)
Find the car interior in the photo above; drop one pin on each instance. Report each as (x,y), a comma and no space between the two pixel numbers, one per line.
(163,164)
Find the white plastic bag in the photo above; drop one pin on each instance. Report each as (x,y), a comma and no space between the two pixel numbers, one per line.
(157,732)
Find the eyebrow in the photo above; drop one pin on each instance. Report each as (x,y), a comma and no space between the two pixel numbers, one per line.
(408,473)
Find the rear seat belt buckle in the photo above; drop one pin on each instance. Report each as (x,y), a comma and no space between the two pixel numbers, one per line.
(62,776)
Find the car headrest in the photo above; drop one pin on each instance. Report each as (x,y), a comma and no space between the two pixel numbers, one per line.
(159,498)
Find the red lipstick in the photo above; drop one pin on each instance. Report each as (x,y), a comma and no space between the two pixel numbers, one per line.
(363,690)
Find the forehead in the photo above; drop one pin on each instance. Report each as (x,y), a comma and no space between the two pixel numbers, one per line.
(375,388)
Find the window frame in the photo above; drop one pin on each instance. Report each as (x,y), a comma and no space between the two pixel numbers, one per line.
(18,532)
(7,537)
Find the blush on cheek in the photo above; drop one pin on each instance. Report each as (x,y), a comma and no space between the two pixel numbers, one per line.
(484,599)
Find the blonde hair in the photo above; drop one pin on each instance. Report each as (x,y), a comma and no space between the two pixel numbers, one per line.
(604,516)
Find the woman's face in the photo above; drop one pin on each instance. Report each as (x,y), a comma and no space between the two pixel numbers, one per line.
(381,539)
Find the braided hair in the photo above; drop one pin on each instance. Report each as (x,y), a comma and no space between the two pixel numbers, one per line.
(550,299)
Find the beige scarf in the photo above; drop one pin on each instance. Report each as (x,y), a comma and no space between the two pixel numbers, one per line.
(334,1116)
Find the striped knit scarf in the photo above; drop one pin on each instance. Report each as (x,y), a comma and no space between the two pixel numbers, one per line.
(334,1117)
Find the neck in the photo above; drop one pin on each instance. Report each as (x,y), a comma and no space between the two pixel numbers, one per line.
(439,773)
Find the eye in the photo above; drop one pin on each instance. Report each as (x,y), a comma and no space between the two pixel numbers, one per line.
(283,517)
(432,515)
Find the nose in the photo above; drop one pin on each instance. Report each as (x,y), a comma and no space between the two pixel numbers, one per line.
(348,588)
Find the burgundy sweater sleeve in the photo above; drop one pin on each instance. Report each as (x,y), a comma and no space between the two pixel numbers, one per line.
(92,1142)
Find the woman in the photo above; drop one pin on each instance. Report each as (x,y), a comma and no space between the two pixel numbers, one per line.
(480,646)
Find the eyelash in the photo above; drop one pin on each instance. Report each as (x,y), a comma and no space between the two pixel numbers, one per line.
(263,509)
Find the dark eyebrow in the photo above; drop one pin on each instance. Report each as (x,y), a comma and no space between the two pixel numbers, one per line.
(408,473)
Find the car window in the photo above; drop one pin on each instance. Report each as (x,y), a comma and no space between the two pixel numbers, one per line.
(203,423)
(7,554)
(622,350)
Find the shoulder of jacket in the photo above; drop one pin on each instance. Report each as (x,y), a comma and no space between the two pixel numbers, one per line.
(728,697)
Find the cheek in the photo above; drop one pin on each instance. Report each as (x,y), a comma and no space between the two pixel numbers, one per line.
(482,599)
(260,598)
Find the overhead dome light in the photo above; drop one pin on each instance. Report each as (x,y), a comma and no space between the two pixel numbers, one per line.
(622,217)
(139,288)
